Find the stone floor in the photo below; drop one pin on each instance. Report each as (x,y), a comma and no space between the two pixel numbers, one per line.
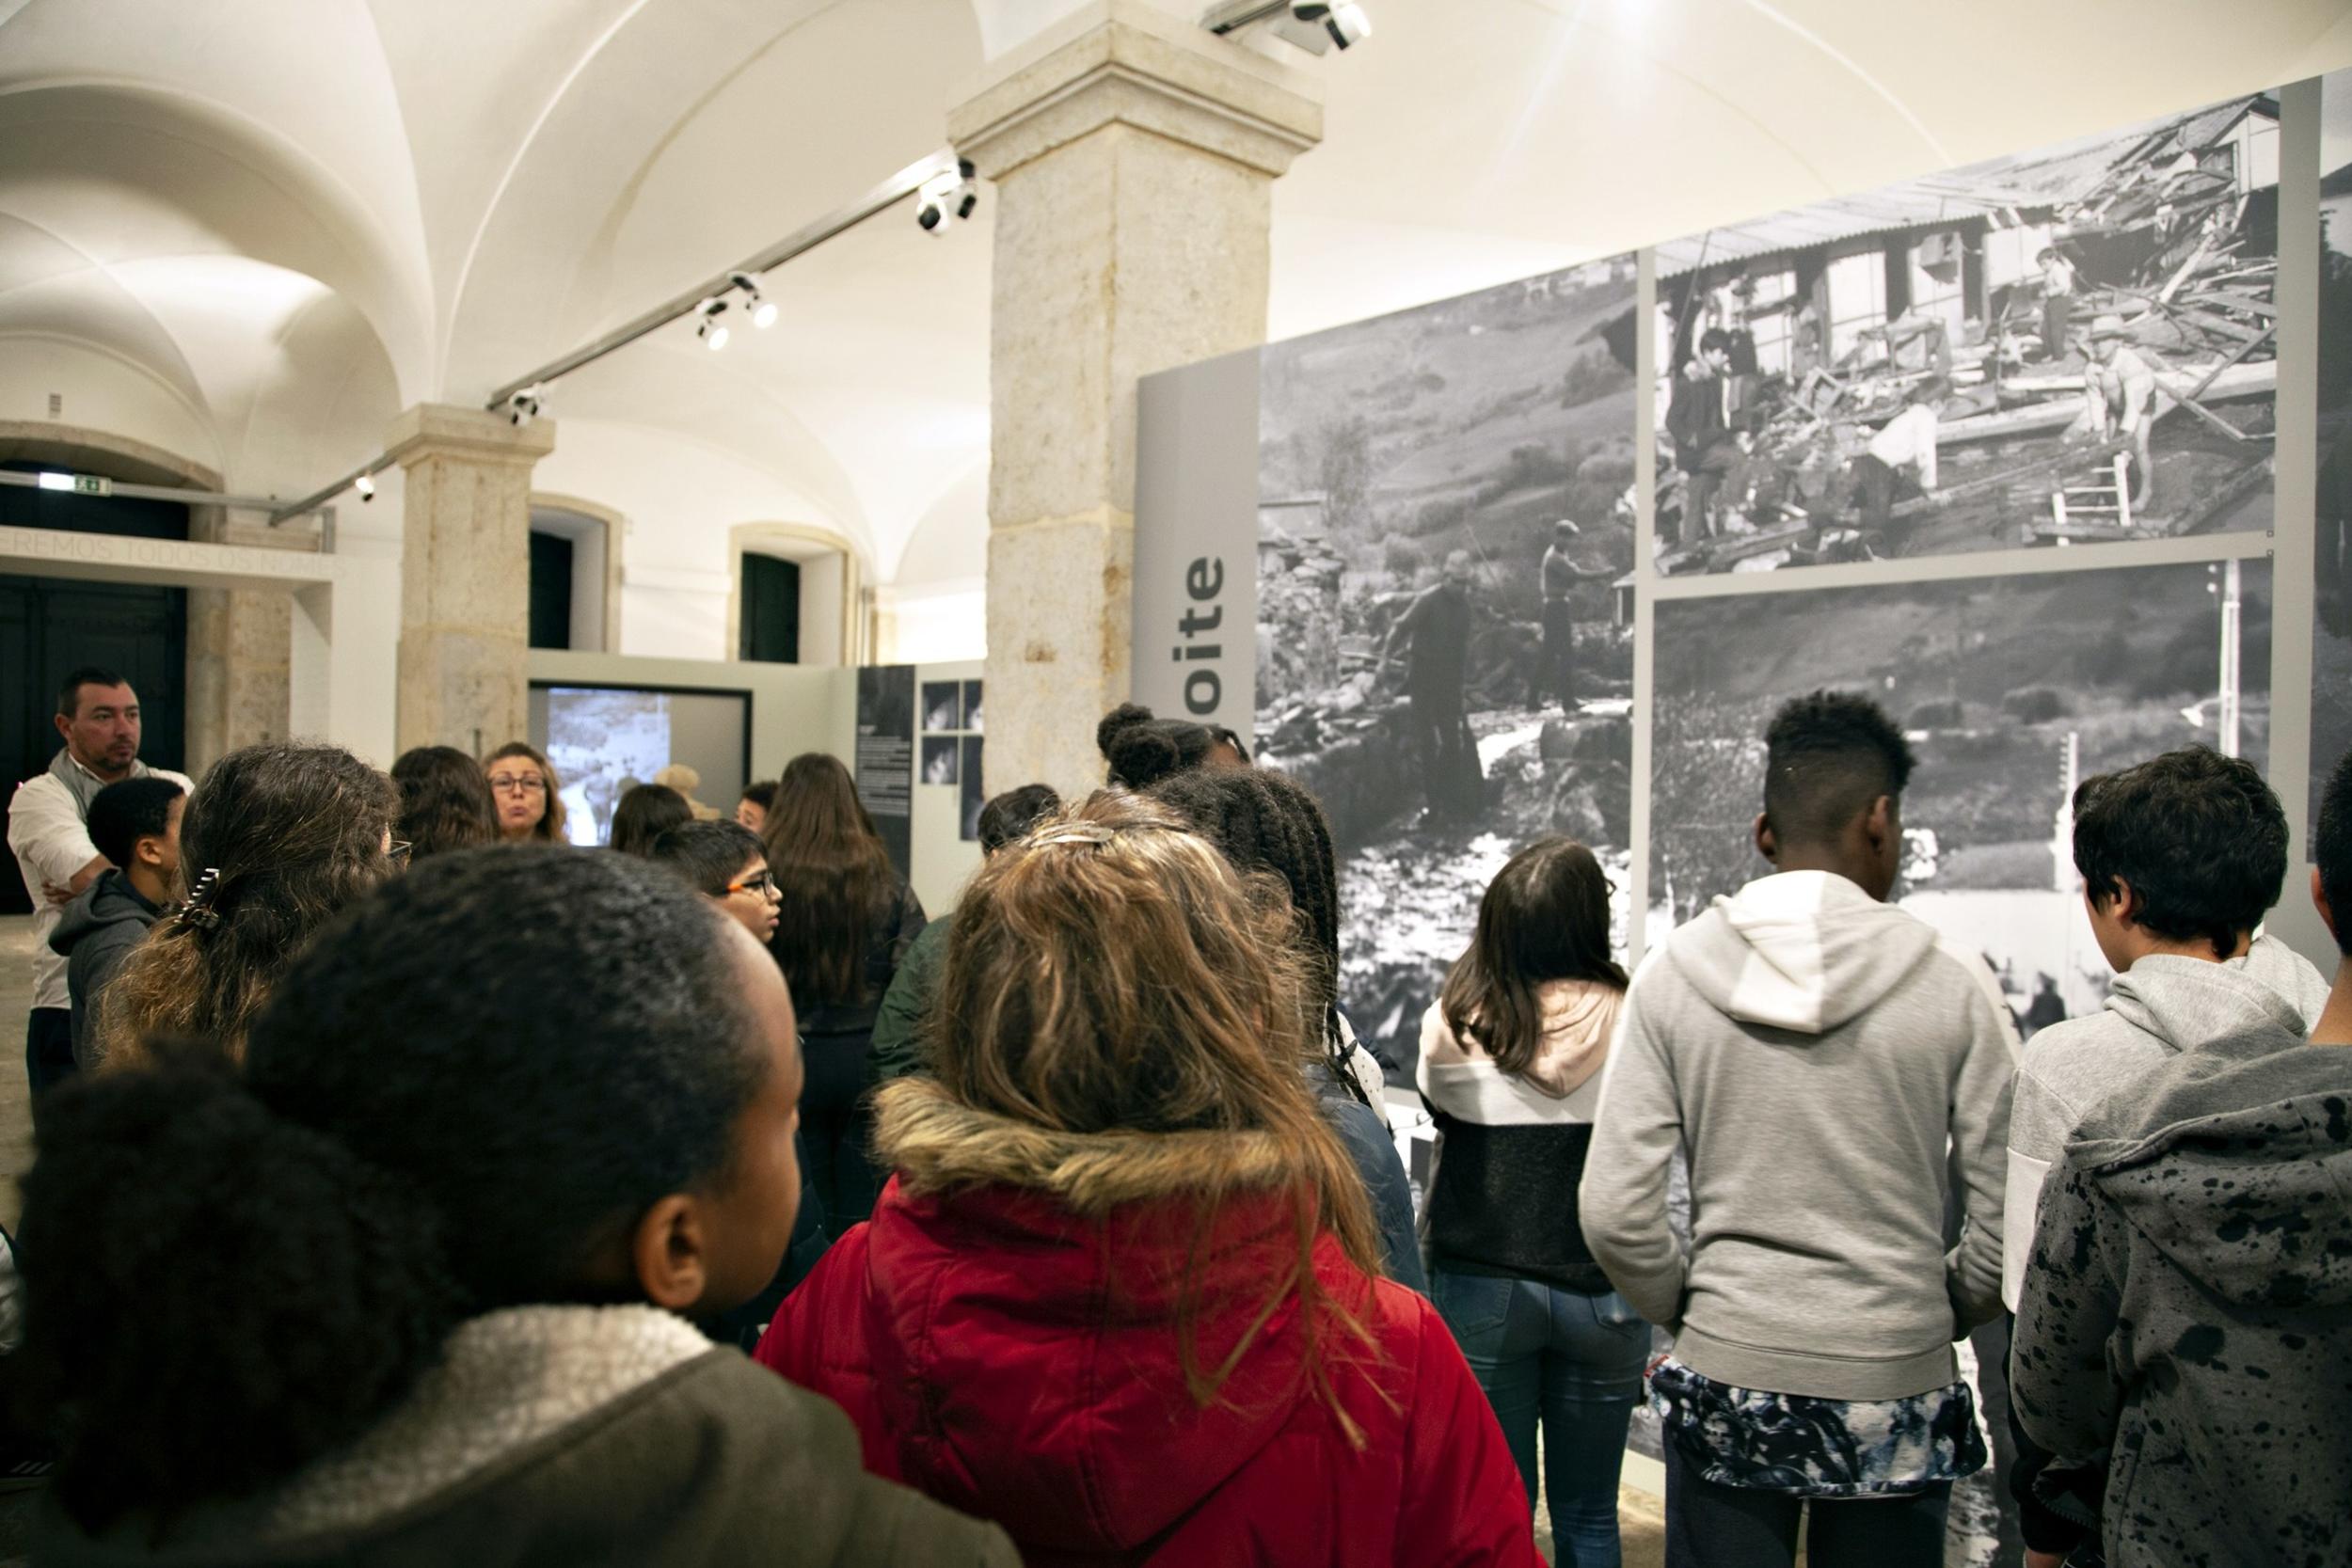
(1644,1521)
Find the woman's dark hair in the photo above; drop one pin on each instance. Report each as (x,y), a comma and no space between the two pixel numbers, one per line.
(1270,823)
(708,855)
(1545,917)
(276,841)
(1142,749)
(645,813)
(549,828)
(835,877)
(445,802)
(465,1090)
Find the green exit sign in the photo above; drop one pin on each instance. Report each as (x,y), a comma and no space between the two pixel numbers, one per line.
(92,485)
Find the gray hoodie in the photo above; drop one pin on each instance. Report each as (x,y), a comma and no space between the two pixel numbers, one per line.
(2188,1304)
(1828,1063)
(2159,1008)
(97,932)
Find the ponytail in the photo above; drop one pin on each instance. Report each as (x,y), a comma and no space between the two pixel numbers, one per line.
(214,1295)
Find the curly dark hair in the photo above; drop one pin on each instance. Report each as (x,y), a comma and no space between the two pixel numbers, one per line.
(2198,836)
(1270,823)
(445,802)
(1827,758)
(1142,749)
(2332,850)
(645,813)
(296,831)
(464,1090)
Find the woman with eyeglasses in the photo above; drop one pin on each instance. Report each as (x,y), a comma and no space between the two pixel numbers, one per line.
(277,840)
(528,795)
(1511,1055)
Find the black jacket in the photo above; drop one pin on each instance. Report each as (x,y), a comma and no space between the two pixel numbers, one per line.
(1694,417)
(2189,1307)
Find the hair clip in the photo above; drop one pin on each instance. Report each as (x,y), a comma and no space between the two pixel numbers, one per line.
(197,910)
(1095,834)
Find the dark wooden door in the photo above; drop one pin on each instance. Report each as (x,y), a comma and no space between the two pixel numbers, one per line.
(51,625)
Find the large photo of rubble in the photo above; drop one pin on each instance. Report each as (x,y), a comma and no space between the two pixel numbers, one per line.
(1445,606)
(2070,346)
(2331,629)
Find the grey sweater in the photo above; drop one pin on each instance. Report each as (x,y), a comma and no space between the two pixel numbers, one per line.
(2186,1307)
(2159,1008)
(1828,1065)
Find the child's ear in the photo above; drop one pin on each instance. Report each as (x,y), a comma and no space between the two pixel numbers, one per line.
(149,851)
(671,1253)
(1767,843)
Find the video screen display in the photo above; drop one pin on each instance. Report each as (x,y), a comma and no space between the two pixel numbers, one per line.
(600,740)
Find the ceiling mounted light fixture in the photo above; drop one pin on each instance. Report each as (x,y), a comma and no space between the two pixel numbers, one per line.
(365,485)
(709,327)
(1313,26)
(947,196)
(763,312)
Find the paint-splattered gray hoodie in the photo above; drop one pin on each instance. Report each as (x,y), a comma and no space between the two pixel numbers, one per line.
(2160,1006)
(1828,1062)
(2187,1306)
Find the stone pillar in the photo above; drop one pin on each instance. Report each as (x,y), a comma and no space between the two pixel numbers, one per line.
(238,641)
(465,574)
(1134,156)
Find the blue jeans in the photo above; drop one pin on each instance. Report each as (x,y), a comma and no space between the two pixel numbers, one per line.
(1572,1362)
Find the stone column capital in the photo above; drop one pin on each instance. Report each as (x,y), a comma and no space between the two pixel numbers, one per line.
(475,435)
(1124,62)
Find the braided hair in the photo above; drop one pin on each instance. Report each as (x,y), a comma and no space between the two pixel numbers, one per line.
(1270,823)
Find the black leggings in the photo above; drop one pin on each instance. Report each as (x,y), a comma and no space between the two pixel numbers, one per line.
(1712,1525)
(837,1127)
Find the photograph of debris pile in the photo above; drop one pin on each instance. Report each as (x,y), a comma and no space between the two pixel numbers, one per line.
(1445,606)
(2331,627)
(2070,346)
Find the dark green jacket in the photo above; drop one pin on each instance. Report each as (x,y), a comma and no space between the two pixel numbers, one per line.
(568,1436)
(899,1048)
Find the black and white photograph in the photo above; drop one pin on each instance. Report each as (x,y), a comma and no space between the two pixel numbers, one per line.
(943,705)
(972,694)
(974,796)
(1444,631)
(2010,690)
(600,743)
(2068,346)
(940,757)
(2331,629)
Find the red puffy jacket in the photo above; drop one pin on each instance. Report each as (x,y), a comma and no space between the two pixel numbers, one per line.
(1014,1358)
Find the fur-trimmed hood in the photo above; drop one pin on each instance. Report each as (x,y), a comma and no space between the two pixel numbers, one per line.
(938,1144)
(1019,1305)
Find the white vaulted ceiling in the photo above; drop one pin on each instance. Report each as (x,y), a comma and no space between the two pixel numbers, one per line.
(256,230)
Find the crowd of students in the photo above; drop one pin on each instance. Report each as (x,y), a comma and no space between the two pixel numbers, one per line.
(414,1164)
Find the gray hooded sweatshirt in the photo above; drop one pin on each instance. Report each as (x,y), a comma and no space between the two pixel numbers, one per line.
(2161,1006)
(1829,1063)
(2187,1302)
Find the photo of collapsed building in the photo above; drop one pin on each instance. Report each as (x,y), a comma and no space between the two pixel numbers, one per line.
(2331,573)
(1445,606)
(2070,346)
